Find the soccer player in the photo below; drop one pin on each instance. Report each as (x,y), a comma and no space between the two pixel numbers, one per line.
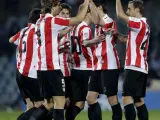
(49,72)
(26,75)
(105,76)
(64,63)
(82,66)
(136,67)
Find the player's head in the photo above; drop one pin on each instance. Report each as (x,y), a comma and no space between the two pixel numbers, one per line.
(49,6)
(34,15)
(66,10)
(101,5)
(135,7)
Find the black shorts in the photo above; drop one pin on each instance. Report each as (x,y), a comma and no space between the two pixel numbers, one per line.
(51,83)
(79,84)
(134,84)
(95,83)
(29,87)
(110,81)
(68,91)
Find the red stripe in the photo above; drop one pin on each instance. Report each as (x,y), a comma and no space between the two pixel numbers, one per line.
(128,51)
(29,52)
(15,37)
(104,61)
(61,21)
(66,71)
(20,54)
(84,49)
(115,52)
(76,56)
(133,24)
(108,25)
(48,43)
(145,53)
(95,59)
(139,41)
(39,47)
(66,68)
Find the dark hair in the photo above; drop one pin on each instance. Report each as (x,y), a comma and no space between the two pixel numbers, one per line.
(48,4)
(102,3)
(138,4)
(66,6)
(34,15)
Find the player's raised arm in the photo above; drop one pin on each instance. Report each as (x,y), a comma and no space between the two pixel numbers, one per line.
(94,13)
(120,12)
(81,14)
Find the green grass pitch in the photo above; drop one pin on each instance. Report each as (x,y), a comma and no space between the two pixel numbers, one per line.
(153,115)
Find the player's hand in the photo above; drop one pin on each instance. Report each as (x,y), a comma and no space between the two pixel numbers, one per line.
(100,38)
(66,42)
(111,30)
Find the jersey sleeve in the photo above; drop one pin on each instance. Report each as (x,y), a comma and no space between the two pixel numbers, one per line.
(86,34)
(60,23)
(108,22)
(16,38)
(134,23)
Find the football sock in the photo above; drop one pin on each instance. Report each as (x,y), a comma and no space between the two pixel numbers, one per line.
(142,112)
(117,112)
(130,112)
(95,112)
(68,112)
(26,115)
(50,114)
(59,114)
(39,114)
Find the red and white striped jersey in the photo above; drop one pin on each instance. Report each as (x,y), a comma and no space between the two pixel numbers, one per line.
(47,29)
(105,56)
(26,51)
(137,45)
(82,55)
(63,57)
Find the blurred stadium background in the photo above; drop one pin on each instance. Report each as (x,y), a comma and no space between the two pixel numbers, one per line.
(14,15)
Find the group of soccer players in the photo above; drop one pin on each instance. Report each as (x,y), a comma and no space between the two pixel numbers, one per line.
(60,65)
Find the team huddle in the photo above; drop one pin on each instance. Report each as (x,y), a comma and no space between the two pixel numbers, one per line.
(61,64)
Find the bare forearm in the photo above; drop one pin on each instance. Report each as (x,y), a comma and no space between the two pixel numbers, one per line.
(64,32)
(88,43)
(80,16)
(120,12)
(94,13)
(119,9)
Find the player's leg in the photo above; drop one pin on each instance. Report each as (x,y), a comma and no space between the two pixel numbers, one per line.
(142,111)
(131,87)
(110,83)
(45,79)
(79,85)
(95,88)
(21,82)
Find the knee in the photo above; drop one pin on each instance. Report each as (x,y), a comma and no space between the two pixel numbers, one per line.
(48,103)
(138,102)
(91,98)
(59,102)
(127,100)
(80,104)
(113,100)
(38,104)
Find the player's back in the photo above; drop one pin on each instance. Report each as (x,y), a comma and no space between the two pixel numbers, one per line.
(82,55)
(137,44)
(47,29)
(26,51)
